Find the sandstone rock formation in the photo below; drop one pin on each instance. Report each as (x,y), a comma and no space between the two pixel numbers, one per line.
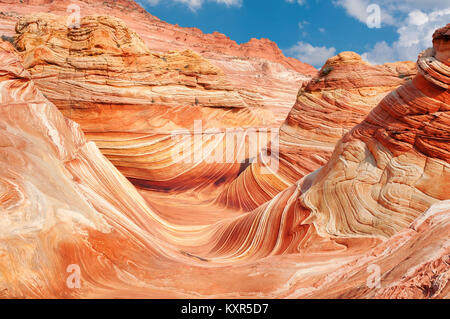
(395,164)
(381,200)
(387,180)
(61,201)
(140,107)
(340,97)
(257,68)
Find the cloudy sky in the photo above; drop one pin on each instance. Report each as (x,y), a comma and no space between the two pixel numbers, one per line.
(314,30)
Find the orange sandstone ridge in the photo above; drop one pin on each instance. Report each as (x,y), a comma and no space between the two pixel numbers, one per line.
(104,64)
(177,37)
(64,204)
(131,102)
(60,199)
(340,97)
(140,107)
(381,200)
(258,67)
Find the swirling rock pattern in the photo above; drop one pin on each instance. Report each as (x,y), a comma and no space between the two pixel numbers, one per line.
(380,201)
(343,93)
(59,197)
(387,180)
(395,164)
(140,106)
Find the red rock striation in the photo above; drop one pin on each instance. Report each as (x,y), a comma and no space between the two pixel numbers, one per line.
(141,107)
(340,97)
(381,201)
(387,180)
(395,164)
(61,201)
(171,37)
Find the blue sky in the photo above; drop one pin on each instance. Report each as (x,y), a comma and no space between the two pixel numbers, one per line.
(314,30)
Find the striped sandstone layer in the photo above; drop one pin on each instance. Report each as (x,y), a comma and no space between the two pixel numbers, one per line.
(63,204)
(258,68)
(340,97)
(141,108)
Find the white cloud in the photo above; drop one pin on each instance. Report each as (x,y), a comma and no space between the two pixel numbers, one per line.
(302,24)
(307,53)
(300,2)
(415,35)
(415,21)
(355,8)
(360,10)
(393,12)
(417,17)
(196,4)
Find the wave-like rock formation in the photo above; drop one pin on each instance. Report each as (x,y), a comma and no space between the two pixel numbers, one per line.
(258,68)
(386,179)
(105,65)
(141,108)
(61,201)
(396,163)
(381,203)
(340,97)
